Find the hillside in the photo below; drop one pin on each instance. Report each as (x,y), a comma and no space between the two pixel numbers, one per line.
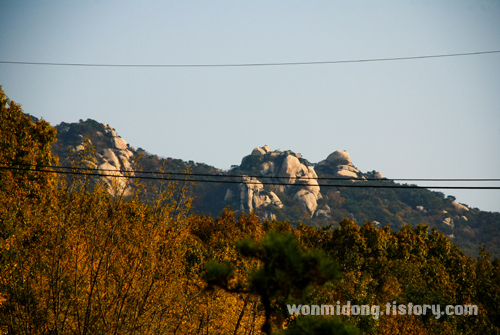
(302,199)
(78,254)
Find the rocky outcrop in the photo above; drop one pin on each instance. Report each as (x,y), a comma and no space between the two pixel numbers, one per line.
(326,211)
(339,164)
(307,200)
(459,207)
(114,158)
(281,167)
(293,175)
(339,158)
(449,222)
(252,195)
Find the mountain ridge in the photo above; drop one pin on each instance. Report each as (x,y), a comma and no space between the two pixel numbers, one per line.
(306,201)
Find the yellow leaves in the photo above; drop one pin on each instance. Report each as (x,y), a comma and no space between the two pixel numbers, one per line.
(6,244)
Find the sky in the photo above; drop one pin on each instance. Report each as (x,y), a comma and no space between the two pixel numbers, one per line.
(421,118)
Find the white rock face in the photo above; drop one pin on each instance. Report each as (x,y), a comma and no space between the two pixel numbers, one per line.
(459,206)
(252,195)
(275,200)
(120,143)
(339,158)
(340,162)
(110,157)
(290,168)
(258,152)
(116,158)
(313,187)
(347,174)
(284,167)
(307,200)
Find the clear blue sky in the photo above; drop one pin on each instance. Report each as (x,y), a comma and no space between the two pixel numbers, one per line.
(429,118)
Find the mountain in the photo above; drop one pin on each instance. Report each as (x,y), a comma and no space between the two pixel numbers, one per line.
(283,185)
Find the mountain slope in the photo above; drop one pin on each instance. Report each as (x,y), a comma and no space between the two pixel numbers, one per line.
(302,198)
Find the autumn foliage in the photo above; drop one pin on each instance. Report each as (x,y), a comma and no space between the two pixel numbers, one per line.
(79,258)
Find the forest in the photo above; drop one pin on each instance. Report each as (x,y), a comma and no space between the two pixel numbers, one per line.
(81,256)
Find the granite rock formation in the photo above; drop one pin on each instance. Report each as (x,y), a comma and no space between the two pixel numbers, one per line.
(283,167)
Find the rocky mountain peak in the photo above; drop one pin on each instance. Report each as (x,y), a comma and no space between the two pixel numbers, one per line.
(113,154)
(339,164)
(283,167)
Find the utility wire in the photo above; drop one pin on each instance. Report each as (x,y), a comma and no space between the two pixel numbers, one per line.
(258,176)
(250,182)
(253,64)
(261,177)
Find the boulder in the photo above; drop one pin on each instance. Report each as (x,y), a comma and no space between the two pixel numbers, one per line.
(125,162)
(109,130)
(116,185)
(258,152)
(307,200)
(260,200)
(290,168)
(110,156)
(120,143)
(274,154)
(249,188)
(110,169)
(459,206)
(313,187)
(275,200)
(285,167)
(340,162)
(339,158)
(347,173)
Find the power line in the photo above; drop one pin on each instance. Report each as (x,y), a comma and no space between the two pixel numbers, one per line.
(252,64)
(252,183)
(260,176)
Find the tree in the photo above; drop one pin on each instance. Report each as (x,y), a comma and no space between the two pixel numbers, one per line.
(24,146)
(287,270)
